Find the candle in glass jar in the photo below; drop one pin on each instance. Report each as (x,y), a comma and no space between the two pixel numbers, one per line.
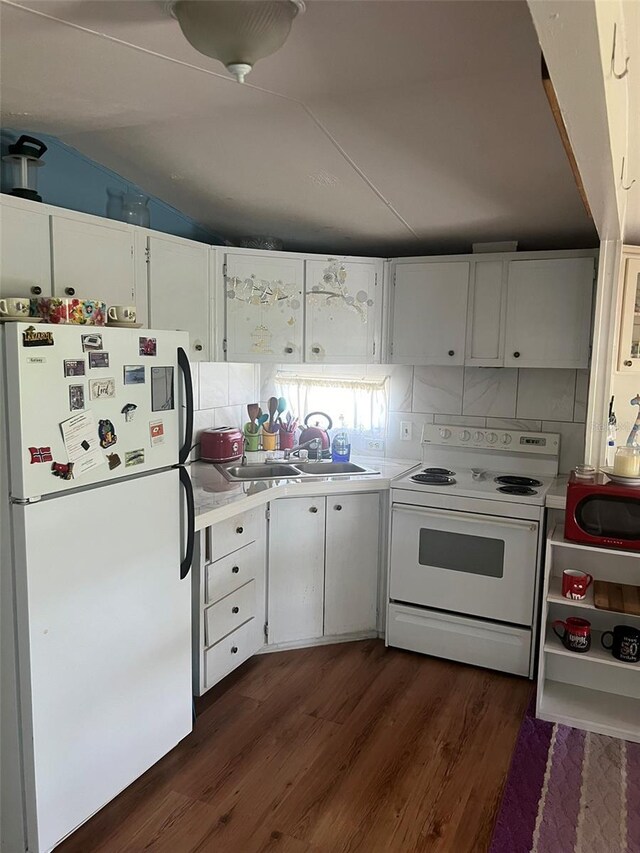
(627,462)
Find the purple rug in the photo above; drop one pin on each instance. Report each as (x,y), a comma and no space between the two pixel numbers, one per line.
(569,791)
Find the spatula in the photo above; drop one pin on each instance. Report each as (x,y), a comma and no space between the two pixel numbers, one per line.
(282,407)
(273,407)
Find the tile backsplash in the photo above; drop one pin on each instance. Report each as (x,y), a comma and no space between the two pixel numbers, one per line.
(221,392)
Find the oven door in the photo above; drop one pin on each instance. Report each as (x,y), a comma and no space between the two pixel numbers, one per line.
(464,562)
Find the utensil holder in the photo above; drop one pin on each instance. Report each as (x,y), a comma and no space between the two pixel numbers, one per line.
(287,439)
(269,440)
(251,441)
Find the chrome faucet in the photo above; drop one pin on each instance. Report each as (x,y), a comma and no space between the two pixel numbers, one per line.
(312,444)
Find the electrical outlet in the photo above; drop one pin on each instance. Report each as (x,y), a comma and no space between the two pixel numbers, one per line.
(375,444)
(406,428)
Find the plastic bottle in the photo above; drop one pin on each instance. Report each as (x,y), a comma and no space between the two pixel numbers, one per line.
(341,444)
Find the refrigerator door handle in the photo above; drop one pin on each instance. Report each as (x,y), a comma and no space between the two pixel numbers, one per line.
(187,562)
(183,364)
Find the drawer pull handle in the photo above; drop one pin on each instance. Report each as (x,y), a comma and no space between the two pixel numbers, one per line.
(315,350)
(234,650)
(338,507)
(70,291)
(198,347)
(313,509)
(288,350)
(516,355)
(235,569)
(36,290)
(452,352)
(239,529)
(628,363)
(235,610)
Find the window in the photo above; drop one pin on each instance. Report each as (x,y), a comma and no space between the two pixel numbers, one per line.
(363,403)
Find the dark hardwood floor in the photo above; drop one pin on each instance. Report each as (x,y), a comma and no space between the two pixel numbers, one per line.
(351,747)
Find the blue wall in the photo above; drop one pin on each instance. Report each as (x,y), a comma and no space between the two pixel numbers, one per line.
(71,180)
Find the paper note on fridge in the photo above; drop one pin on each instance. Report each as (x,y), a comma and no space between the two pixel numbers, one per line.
(80,437)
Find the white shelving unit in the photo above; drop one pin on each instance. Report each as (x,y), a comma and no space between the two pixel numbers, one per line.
(590,690)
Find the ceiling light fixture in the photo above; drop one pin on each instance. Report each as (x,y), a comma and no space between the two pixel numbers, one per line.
(236,32)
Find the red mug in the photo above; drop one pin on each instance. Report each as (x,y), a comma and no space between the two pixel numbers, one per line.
(577,633)
(575,584)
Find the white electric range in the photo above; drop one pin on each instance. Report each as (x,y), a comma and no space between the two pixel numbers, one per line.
(467,529)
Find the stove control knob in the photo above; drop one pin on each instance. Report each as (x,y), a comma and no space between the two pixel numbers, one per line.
(465,435)
(445,433)
(491,437)
(506,438)
(478,436)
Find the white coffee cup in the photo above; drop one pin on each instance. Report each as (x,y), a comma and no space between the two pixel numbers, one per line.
(14,306)
(122,313)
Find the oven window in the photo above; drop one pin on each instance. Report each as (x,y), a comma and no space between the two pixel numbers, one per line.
(461,552)
(610,516)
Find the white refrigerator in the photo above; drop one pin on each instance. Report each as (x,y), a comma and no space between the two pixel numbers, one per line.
(96,543)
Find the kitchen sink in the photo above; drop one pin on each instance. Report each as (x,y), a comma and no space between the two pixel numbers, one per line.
(327,469)
(276,471)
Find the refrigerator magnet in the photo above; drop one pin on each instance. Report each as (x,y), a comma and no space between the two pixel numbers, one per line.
(102,389)
(106,433)
(156,432)
(134,457)
(128,411)
(147,346)
(161,389)
(40,454)
(31,337)
(62,470)
(91,342)
(113,460)
(134,374)
(74,367)
(76,398)
(98,359)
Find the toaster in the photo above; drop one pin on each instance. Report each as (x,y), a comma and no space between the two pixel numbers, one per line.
(221,444)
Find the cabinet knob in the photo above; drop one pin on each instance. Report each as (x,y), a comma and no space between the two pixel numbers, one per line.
(452,352)
(288,350)
(516,355)
(315,350)
(235,570)
(313,509)
(628,363)
(198,347)
(235,609)
(36,290)
(234,650)
(70,291)
(239,529)
(338,507)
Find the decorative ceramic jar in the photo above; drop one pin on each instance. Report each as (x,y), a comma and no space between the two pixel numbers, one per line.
(82,312)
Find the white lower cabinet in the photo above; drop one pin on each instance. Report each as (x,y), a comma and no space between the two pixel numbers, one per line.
(324,557)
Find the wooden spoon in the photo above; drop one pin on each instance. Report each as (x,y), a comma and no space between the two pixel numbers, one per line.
(253,409)
(273,407)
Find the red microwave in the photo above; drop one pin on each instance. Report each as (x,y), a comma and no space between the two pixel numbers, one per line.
(600,512)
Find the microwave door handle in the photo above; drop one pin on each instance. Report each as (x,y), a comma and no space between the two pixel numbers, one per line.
(185,369)
(467,517)
(187,561)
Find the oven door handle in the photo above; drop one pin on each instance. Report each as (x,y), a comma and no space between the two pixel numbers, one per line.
(465,516)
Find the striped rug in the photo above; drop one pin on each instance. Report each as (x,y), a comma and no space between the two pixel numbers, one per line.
(569,791)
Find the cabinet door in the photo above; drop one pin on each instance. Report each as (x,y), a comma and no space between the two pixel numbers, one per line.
(296,569)
(179,294)
(487,314)
(343,301)
(263,307)
(351,564)
(429,313)
(92,260)
(549,312)
(25,251)
(629,352)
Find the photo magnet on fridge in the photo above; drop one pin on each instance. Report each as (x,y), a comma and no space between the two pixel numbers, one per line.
(161,389)
(98,359)
(156,432)
(134,457)
(91,342)
(76,398)
(102,389)
(33,338)
(74,367)
(147,346)
(134,374)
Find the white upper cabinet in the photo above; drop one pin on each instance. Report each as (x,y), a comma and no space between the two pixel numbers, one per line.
(486,320)
(343,310)
(549,312)
(629,350)
(263,307)
(25,249)
(93,259)
(429,309)
(179,290)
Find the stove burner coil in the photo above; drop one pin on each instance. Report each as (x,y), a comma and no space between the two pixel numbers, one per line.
(517,490)
(517,481)
(433,479)
(444,471)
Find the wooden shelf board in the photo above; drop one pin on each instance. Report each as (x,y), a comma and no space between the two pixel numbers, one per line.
(555,596)
(557,540)
(593,710)
(596,654)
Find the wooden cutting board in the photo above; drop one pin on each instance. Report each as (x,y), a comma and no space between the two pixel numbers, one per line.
(619,597)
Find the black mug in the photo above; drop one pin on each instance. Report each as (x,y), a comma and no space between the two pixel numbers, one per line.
(625,643)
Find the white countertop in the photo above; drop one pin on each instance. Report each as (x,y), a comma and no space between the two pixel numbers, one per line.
(557,494)
(217,499)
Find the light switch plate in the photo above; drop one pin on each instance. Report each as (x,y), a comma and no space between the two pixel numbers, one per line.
(406,428)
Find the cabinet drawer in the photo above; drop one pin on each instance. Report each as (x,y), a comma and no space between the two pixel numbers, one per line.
(230,572)
(229,613)
(227,536)
(444,635)
(230,652)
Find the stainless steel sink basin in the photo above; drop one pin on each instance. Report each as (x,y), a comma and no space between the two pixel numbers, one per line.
(275,471)
(328,469)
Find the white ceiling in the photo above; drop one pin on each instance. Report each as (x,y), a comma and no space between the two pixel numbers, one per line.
(380,127)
